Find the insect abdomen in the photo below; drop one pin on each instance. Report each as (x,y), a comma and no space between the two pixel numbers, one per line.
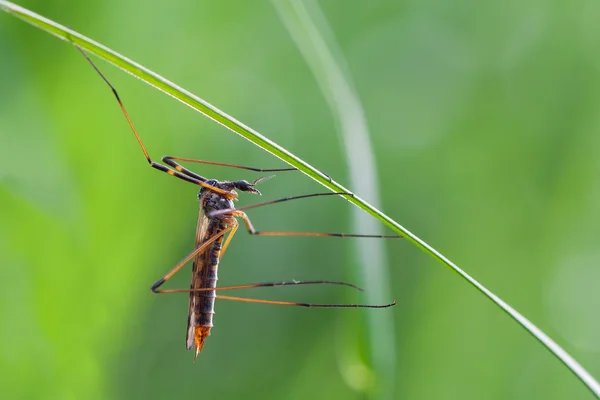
(202,303)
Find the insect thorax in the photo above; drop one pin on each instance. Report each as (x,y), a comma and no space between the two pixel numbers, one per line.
(212,201)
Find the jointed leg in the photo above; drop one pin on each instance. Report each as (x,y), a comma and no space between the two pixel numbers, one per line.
(283,303)
(266,203)
(192,178)
(238,212)
(253,231)
(292,303)
(181,263)
(259,285)
(171,161)
(304,196)
(233,228)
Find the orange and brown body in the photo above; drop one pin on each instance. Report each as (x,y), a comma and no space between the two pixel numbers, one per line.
(205,267)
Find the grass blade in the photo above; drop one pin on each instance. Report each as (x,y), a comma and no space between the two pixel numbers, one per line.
(230,123)
(310,30)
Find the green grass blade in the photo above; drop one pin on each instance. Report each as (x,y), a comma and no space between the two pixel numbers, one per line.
(310,30)
(217,115)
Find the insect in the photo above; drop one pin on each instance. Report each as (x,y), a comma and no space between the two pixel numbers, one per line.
(217,224)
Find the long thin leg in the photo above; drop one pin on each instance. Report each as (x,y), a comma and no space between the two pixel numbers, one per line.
(192,178)
(304,196)
(266,203)
(253,231)
(181,263)
(187,178)
(172,162)
(238,212)
(292,303)
(259,285)
(233,227)
(169,160)
(285,303)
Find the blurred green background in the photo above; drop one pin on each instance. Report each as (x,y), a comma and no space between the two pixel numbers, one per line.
(484,120)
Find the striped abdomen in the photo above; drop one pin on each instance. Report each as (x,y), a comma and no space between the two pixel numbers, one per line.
(204,275)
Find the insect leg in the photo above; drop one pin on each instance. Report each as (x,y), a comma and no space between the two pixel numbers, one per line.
(172,162)
(253,231)
(275,302)
(192,178)
(181,263)
(292,303)
(259,285)
(233,227)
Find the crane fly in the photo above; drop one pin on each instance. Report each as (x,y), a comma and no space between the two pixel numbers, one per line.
(217,225)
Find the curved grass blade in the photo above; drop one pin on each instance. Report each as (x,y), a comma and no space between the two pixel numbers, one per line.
(230,123)
(310,30)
